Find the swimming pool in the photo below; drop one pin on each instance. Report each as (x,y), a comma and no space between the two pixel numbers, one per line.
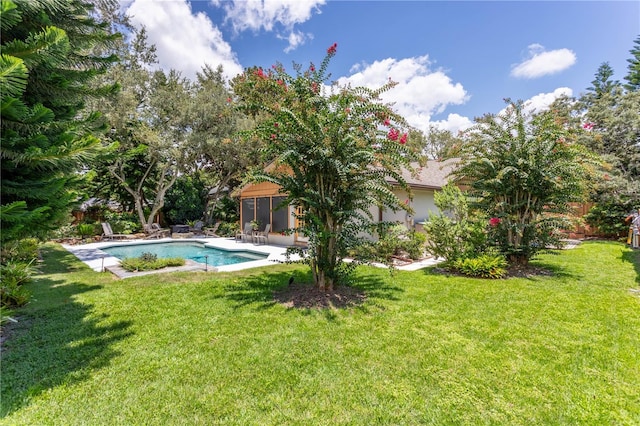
(195,251)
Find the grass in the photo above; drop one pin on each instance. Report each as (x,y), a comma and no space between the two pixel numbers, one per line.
(197,348)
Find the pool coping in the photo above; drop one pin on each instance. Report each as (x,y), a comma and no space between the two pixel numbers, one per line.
(100,261)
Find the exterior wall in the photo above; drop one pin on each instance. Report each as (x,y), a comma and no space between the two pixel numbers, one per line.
(423,205)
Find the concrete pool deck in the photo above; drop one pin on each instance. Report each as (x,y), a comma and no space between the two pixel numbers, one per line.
(98,260)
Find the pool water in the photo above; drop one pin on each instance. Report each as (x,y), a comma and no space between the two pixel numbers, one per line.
(191,250)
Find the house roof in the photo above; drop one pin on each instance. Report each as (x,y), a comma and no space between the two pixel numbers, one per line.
(433,175)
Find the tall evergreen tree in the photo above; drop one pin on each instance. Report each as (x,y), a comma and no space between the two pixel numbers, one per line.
(602,83)
(51,52)
(633,77)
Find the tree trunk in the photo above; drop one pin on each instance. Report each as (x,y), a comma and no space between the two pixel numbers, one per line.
(324,265)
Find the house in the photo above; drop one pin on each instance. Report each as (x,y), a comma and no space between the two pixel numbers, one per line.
(261,202)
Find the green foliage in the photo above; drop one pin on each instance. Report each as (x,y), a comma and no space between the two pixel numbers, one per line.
(633,74)
(524,171)
(397,240)
(222,156)
(456,231)
(149,262)
(609,212)
(86,230)
(12,294)
(148,257)
(17,258)
(608,123)
(324,145)
(228,229)
(24,250)
(122,222)
(227,210)
(51,54)
(185,200)
(492,266)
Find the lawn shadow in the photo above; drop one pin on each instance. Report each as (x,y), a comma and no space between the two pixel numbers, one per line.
(56,341)
(294,289)
(377,288)
(633,257)
(257,289)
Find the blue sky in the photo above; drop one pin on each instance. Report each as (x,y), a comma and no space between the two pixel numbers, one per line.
(454,60)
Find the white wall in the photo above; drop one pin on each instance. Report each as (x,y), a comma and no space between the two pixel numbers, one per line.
(423,205)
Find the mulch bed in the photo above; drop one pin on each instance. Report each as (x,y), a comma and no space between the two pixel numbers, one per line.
(306,296)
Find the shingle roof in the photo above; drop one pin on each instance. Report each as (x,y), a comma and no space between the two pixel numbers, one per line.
(434,175)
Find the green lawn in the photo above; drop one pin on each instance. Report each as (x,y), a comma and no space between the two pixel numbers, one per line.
(196,348)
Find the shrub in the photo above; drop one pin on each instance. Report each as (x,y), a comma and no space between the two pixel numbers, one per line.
(415,245)
(13,295)
(228,229)
(457,232)
(12,277)
(148,257)
(86,230)
(19,251)
(484,266)
(123,222)
(150,262)
(395,240)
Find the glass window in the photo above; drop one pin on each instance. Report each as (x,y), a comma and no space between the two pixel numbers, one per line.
(248,211)
(263,211)
(279,215)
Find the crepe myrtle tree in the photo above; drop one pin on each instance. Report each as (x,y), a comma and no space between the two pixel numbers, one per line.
(333,150)
(524,170)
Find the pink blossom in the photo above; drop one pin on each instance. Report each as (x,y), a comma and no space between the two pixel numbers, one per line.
(494,221)
(332,49)
(276,124)
(312,68)
(393,135)
(588,126)
(273,136)
(229,100)
(403,139)
(386,122)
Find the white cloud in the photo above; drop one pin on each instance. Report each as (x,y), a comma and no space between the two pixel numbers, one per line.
(541,101)
(184,41)
(541,62)
(454,123)
(295,39)
(421,92)
(272,15)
